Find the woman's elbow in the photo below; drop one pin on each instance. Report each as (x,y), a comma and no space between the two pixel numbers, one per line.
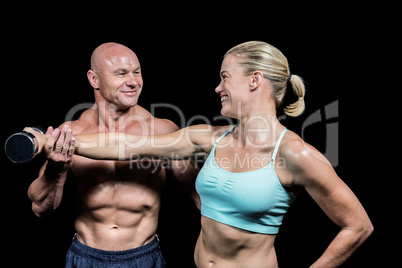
(365,229)
(369,229)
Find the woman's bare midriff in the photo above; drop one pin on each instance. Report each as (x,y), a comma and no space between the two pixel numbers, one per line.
(220,245)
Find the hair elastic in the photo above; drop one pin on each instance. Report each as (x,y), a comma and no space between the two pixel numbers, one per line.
(290,77)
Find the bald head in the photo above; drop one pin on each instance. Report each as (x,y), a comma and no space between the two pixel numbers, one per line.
(107,53)
(115,75)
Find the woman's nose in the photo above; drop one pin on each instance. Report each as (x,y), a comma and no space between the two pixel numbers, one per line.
(219,89)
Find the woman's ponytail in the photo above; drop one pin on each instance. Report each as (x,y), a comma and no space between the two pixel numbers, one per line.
(297,108)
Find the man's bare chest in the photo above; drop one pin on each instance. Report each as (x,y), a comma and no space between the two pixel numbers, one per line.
(89,171)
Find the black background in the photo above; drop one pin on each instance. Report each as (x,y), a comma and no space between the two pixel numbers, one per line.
(45,60)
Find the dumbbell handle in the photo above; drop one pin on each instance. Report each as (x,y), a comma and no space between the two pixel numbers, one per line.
(21,147)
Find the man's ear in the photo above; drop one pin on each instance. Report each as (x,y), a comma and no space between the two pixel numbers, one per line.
(93,79)
(256,80)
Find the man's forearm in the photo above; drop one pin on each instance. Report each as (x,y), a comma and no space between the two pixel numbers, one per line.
(46,192)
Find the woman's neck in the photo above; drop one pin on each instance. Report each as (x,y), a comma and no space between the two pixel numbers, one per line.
(258,129)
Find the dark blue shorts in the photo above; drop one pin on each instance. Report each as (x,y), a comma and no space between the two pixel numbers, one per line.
(147,256)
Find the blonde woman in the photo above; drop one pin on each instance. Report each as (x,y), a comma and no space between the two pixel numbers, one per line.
(254,169)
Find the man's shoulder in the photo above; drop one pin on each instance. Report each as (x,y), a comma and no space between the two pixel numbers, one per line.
(154,124)
(164,126)
(77,126)
(84,122)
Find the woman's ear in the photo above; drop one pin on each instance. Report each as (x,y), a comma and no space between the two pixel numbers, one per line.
(93,79)
(256,80)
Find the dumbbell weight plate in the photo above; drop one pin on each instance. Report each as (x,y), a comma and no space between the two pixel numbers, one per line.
(20,147)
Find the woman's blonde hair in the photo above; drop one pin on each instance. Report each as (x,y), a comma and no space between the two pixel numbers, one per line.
(260,56)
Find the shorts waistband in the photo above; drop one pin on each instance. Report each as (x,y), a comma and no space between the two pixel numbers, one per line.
(114,256)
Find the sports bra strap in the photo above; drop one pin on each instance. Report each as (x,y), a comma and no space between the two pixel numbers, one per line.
(278,142)
(230,129)
(277,146)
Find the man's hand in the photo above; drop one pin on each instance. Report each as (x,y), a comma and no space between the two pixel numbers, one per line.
(59,149)
(57,146)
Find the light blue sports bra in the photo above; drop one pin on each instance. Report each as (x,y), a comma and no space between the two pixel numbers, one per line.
(254,201)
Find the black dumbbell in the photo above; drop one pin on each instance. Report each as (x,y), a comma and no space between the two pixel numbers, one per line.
(20,146)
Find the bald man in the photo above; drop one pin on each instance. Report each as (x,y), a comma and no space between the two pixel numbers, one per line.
(117,201)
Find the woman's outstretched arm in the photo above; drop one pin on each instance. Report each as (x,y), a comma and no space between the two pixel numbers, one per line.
(120,146)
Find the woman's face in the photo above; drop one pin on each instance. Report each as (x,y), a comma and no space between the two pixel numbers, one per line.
(233,88)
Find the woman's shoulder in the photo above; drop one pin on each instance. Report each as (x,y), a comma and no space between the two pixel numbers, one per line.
(297,152)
